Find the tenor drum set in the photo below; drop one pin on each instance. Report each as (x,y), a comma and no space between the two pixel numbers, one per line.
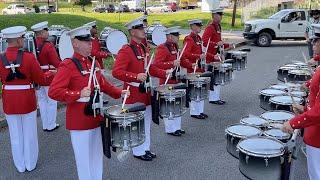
(297,72)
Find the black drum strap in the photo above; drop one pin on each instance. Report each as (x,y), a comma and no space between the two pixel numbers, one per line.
(136,53)
(78,65)
(14,73)
(170,48)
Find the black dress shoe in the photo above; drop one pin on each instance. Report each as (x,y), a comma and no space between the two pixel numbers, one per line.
(144,157)
(198,116)
(176,133)
(220,102)
(57,127)
(151,154)
(182,131)
(204,115)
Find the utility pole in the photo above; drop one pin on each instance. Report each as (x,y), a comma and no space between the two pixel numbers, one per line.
(234,13)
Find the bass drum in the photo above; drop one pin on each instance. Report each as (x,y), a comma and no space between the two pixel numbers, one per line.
(55,32)
(156,35)
(65,48)
(29,42)
(112,40)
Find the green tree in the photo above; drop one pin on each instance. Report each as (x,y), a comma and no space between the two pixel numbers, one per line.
(82,3)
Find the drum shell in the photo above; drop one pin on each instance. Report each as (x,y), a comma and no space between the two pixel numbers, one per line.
(172,106)
(131,135)
(223,74)
(256,168)
(198,88)
(284,107)
(298,78)
(264,99)
(240,59)
(232,143)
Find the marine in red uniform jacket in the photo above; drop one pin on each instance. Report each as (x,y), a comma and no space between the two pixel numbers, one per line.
(127,67)
(193,50)
(213,32)
(66,87)
(21,101)
(48,57)
(97,52)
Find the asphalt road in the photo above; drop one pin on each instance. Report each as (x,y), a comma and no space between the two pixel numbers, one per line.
(199,154)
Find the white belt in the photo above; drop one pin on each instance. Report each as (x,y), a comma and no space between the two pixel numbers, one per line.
(45,67)
(134,84)
(84,99)
(17,87)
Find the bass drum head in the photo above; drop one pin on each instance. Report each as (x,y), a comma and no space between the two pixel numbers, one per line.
(115,40)
(158,36)
(65,46)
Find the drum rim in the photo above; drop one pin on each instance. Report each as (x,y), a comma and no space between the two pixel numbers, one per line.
(241,136)
(131,115)
(261,155)
(277,137)
(259,126)
(299,74)
(271,100)
(270,95)
(270,120)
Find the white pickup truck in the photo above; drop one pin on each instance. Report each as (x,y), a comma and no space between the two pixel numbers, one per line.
(285,24)
(17,9)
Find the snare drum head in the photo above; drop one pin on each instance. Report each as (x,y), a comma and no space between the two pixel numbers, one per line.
(277,133)
(116,111)
(299,72)
(261,147)
(167,90)
(157,34)
(277,116)
(285,100)
(272,92)
(291,65)
(115,40)
(243,131)
(279,87)
(65,46)
(254,121)
(299,93)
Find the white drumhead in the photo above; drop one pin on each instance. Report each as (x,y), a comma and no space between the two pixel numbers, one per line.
(285,100)
(115,40)
(65,46)
(272,92)
(254,121)
(158,35)
(243,131)
(277,116)
(277,133)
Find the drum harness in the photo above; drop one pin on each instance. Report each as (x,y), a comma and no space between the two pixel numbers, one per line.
(14,72)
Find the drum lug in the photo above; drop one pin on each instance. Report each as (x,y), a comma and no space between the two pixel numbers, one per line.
(125,145)
(247,159)
(232,140)
(266,161)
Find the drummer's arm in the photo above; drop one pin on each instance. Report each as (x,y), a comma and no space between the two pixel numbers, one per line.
(59,87)
(121,65)
(157,72)
(160,58)
(211,58)
(308,118)
(188,52)
(185,63)
(207,34)
(109,89)
(96,50)
(53,56)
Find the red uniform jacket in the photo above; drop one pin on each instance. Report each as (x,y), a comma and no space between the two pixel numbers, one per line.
(21,101)
(310,119)
(48,56)
(127,67)
(213,32)
(194,50)
(165,55)
(66,87)
(97,52)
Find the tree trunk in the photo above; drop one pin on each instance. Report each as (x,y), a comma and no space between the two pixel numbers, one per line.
(234,13)
(83,8)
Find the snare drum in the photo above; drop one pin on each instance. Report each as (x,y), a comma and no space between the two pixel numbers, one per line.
(240,58)
(265,96)
(300,94)
(198,87)
(299,75)
(156,35)
(171,102)
(255,121)
(223,74)
(236,132)
(301,65)
(283,102)
(260,158)
(277,116)
(285,87)
(127,129)
(112,40)
(283,71)
(277,134)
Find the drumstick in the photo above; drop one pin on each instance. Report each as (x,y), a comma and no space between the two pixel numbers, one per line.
(294,135)
(195,67)
(306,60)
(168,76)
(125,97)
(113,57)
(149,64)
(91,71)
(182,51)
(289,92)
(207,46)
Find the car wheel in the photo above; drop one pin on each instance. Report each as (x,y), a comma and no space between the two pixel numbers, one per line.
(264,39)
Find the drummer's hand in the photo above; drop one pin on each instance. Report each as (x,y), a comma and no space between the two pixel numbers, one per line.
(123,93)
(304,88)
(220,43)
(85,92)
(176,63)
(142,77)
(168,72)
(194,65)
(202,56)
(287,128)
(297,108)
(312,62)
(218,57)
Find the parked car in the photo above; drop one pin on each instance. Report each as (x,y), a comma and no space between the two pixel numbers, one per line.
(285,24)
(158,8)
(122,8)
(17,9)
(46,9)
(173,6)
(100,9)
